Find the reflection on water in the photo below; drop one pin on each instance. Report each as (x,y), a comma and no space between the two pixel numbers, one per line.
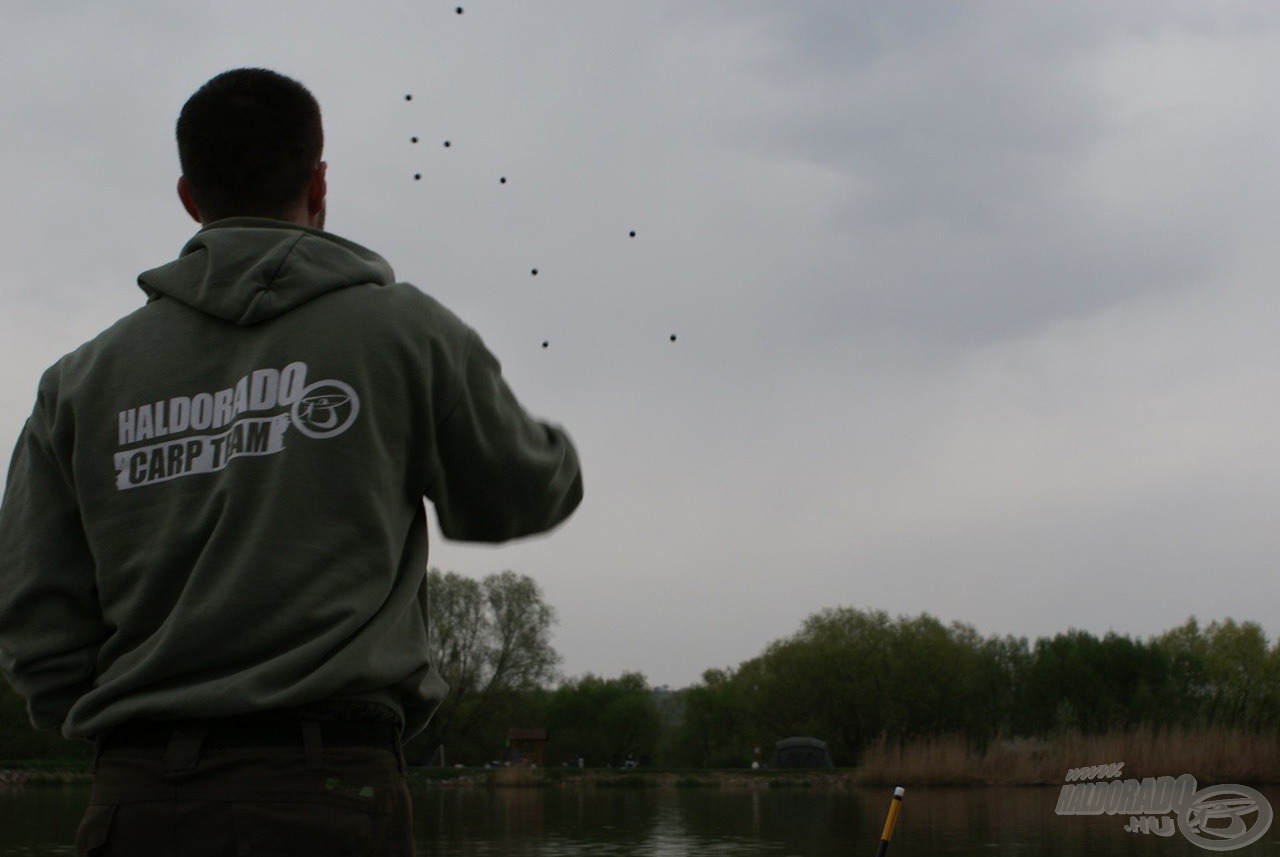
(795,822)
(799,822)
(41,821)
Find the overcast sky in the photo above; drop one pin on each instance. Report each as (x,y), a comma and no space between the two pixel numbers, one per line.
(976,303)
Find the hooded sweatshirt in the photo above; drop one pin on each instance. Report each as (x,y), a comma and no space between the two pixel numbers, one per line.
(216,506)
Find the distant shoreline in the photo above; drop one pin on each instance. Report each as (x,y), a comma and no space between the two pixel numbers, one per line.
(602,778)
(639,778)
(1210,755)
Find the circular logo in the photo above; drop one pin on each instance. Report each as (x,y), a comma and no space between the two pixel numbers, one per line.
(325,409)
(1215,819)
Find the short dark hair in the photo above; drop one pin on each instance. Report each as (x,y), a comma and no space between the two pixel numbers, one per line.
(248,142)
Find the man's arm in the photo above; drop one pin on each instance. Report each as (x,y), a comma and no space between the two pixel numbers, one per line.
(500,474)
(51,625)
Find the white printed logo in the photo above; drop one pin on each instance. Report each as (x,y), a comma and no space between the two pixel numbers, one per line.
(325,409)
(205,432)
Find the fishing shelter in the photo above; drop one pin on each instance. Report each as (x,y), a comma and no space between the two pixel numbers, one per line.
(801,753)
(526,745)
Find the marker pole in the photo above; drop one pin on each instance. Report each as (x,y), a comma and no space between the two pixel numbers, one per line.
(890,821)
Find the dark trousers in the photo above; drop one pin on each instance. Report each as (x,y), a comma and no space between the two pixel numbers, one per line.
(244,788)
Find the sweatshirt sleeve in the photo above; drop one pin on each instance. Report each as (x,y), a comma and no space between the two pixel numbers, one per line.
(500,473)
(51,626)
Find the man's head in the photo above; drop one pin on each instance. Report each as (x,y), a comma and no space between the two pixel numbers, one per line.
(249,142)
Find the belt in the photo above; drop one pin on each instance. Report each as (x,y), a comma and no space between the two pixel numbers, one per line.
(245,732)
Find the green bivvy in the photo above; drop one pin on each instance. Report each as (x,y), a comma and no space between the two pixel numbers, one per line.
(801,753)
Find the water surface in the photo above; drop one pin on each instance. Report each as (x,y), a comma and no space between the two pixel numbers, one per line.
(579,820)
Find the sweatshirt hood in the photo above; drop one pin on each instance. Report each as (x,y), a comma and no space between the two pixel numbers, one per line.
(246,270)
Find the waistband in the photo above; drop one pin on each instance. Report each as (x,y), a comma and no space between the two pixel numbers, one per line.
(246,732)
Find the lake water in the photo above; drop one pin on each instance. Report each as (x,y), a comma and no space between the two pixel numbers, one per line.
(582,821)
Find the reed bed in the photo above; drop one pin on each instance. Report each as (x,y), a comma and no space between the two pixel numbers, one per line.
(1210,755)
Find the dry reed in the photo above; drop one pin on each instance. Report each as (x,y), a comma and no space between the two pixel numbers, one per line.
(1211,755)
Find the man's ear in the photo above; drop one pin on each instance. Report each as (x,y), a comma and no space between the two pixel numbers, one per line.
(184,194)
(316,193)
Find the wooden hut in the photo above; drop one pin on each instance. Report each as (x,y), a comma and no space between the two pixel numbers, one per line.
(526,745)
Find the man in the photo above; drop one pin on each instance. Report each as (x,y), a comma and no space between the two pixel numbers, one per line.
(213,536)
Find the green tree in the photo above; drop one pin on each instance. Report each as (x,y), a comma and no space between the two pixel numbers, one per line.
(849,676)
(1242,676)
(491,641)
(1076,681)
(713,729)
(602,720)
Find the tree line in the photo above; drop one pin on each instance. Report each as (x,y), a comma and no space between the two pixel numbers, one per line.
(849,677)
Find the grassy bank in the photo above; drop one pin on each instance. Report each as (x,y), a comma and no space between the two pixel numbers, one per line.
(44,772)
(643,778)
(1211,755)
